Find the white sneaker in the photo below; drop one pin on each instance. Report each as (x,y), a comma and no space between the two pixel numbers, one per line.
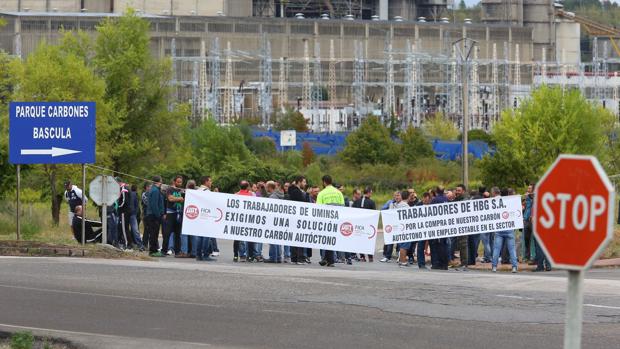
(215,254)
(514,270)
(494,269)
(384,260)
(169,253)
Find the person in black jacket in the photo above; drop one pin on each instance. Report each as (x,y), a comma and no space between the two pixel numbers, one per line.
(296,193)
(134,213)
(367,203)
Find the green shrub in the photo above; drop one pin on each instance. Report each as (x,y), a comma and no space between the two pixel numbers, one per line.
(22,340)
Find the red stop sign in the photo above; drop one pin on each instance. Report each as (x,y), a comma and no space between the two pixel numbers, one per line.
(574,211)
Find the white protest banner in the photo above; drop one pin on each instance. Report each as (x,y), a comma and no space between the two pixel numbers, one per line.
(280,222)
(452,219)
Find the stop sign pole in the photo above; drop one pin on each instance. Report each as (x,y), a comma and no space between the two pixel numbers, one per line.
(573,222)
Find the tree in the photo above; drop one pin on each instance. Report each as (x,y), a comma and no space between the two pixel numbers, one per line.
(438,127)
(370,143)
(49,74)
(7,82)
(462,5)
(307,154)
(415,145)
(550,123)
(291,120)
(213,146)
(145,132)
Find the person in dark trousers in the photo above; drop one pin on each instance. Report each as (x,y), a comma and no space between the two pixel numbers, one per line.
(296,193)
(461,241)
(239,253)
(473,240)
(439,247)
(134,213)
(173,211)
(528,205)
(366,203)
(329,196)
(154,213)
(144,202)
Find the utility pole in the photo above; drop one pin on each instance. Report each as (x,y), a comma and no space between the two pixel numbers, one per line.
(463,49)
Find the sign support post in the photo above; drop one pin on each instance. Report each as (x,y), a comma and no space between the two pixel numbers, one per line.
(83,204)
(19,183)
(574,310)
(104,217)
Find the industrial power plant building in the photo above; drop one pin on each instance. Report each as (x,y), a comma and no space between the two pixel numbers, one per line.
(336,60)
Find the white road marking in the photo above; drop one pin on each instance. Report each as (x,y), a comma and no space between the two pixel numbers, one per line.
(601,306)
(110,296)
(507,296)
(94,334)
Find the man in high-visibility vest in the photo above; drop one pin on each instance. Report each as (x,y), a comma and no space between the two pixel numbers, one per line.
(329,196)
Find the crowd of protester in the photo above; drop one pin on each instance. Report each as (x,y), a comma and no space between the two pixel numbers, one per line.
(160,209)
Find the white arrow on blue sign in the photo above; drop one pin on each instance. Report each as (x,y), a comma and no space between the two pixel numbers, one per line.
(52,132)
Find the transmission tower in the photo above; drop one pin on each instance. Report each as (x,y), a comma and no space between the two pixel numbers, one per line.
(389,102)
(316,86)
(494,87)
(505,97)
(173,55)
(455,93)
(605,71)
(409,88)
(266,82)
(214,98)
(203,83)
(228,107)
(563,70)
(359,88)
(195,105)
(418,91)
(332,75)
(474,94)
(543,67)
(517,74)
(305,90)
(282,85)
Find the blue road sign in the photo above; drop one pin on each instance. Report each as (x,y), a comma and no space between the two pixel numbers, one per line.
(52,132)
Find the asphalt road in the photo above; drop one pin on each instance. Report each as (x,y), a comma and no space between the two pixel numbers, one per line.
(181,303)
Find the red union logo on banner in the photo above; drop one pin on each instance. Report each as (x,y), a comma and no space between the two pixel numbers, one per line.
(346,229)
(191,212)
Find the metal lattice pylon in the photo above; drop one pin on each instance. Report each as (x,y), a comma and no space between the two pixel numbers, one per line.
(474,95)
(359,88)
(195,88)
(228,107)
(389,100)
(282,84)
(214,95)
(604,70)
(315,96)
(305,89)
(505,100)
(266,100)
(409,88)
(332,75)
(455,93)
(418,90)
(494,110)
(203,82)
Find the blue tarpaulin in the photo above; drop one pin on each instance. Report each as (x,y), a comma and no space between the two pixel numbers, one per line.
(332,143)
